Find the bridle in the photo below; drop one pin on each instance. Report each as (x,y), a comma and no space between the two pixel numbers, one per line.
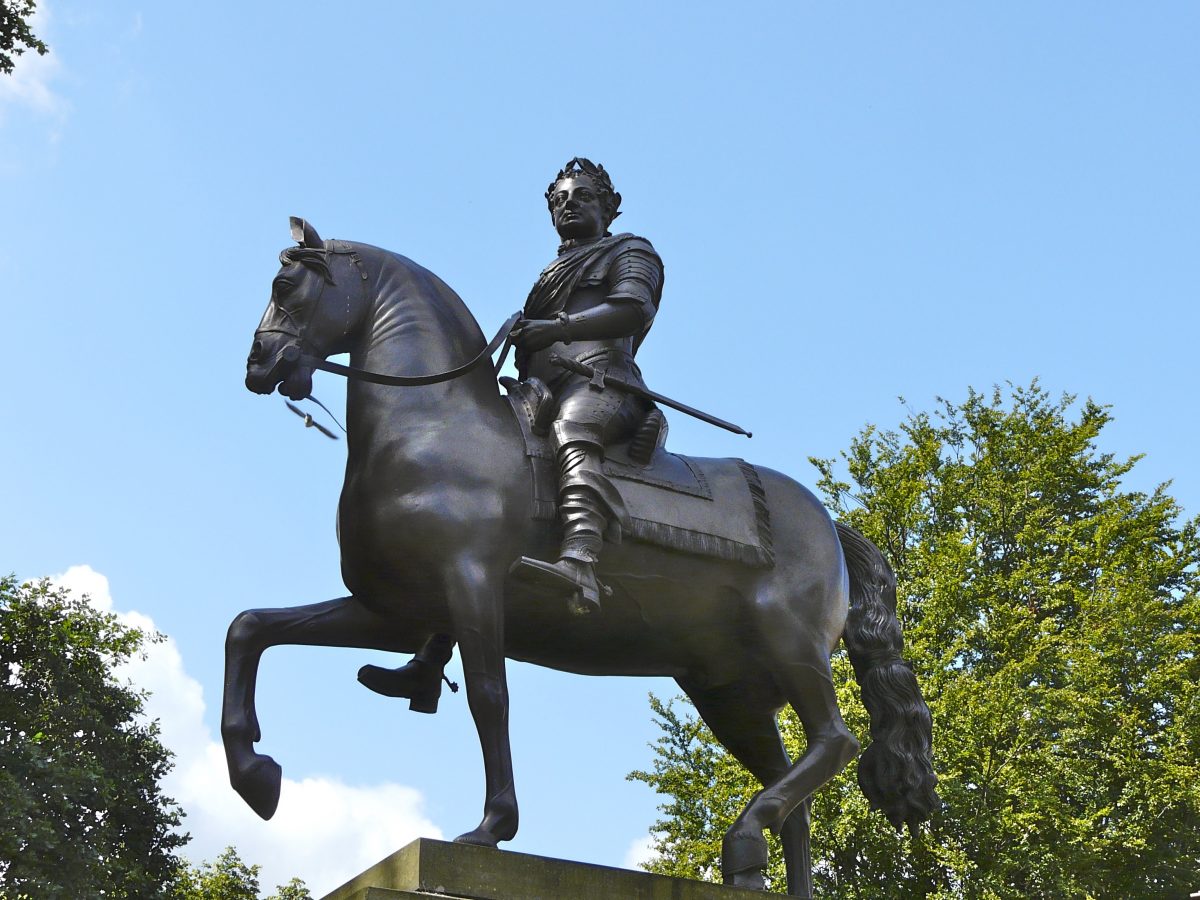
(292,353)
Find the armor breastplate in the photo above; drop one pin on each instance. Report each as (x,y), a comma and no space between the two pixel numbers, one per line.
(622,269)
(613,353)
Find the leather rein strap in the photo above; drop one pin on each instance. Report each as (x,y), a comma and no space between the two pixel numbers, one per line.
(293,354)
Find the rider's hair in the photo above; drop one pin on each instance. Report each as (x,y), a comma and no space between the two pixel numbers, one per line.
(309,257)
(604,186)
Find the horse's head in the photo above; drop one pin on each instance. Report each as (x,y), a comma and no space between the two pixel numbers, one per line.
(317,299)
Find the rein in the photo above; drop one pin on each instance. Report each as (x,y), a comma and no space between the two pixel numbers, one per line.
(293,354)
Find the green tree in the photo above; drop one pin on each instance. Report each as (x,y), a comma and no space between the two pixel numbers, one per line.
(293,890)
(81,814)
(229,878)
(225,878)
(1053,619)
(15,34)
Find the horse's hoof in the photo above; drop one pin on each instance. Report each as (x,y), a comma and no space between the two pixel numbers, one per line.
(259,785)
(480,837)
(500,824)
(752,880)
(744,857)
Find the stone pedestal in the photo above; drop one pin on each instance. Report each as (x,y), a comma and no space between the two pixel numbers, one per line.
(428,868)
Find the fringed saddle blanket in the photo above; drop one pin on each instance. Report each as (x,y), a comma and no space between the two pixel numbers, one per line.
(708,507)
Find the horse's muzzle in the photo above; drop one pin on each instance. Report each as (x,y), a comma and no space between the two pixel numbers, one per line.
(282,371)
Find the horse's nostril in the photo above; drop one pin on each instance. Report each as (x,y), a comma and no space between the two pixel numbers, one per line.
(256,351)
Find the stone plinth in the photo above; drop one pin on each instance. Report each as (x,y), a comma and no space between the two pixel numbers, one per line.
(428,868)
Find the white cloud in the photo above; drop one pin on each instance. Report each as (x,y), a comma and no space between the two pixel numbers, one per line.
(86,580)
(29,85)
(640,851)
(325,831)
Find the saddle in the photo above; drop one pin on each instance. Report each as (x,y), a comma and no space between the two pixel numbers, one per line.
(714,508)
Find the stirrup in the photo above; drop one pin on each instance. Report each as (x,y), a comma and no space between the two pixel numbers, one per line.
(563,580)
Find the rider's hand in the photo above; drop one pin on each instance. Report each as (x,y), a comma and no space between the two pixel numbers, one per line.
(538,334)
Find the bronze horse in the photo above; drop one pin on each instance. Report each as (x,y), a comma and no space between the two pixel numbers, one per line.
(436,507)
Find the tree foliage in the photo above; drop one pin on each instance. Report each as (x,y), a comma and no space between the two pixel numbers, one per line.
(293,890)
(81,814)
(1053,619)
(15,34)
(225,878)
(229,878)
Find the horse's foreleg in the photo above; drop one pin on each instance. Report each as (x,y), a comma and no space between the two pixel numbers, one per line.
(477,606)
(334,623)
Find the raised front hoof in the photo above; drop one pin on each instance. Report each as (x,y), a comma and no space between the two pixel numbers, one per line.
(744,858)
(258,784)
(405,682)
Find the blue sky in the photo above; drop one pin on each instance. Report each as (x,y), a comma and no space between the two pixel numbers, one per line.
(854,203)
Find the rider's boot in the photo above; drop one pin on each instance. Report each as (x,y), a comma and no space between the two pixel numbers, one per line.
(583,519)
(584,516)
(420,680)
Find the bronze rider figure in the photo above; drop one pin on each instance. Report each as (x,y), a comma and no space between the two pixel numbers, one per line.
(594,303)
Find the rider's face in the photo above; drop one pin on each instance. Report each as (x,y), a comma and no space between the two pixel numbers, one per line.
(577,208)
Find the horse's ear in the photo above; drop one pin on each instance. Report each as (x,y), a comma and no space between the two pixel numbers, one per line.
(304,234)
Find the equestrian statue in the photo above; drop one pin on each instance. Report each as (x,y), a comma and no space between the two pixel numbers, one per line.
(550,524)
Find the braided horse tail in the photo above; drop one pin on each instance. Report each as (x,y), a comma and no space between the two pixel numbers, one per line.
(895,772)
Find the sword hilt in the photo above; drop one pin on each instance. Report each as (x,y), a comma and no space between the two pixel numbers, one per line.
(574,365)
(601,375)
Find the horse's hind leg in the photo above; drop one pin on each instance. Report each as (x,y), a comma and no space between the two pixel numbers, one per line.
(806,681)
(742,717)
(334,623)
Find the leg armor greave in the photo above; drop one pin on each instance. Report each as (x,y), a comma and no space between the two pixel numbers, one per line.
(584,514)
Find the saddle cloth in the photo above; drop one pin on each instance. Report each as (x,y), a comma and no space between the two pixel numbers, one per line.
(707,507)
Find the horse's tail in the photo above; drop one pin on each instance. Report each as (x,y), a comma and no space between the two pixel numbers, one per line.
(895,772)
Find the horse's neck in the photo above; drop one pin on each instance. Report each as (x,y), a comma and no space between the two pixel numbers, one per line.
(416,326)
(418,322)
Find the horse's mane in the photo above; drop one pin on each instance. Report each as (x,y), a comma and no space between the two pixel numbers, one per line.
(405,293)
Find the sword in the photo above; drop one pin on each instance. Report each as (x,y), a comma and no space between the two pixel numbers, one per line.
(601,378)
